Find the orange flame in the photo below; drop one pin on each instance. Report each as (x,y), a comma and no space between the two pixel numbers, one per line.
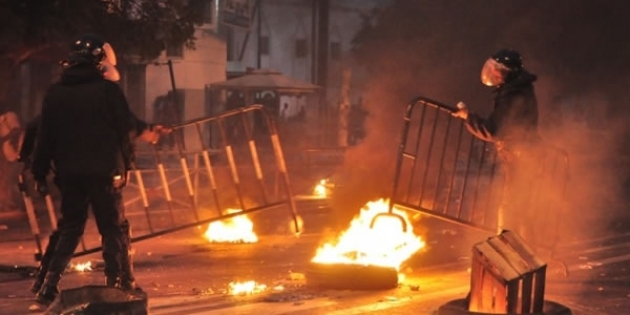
(82,267)
(321,189)
(385,244)
(247,287)
(238,229)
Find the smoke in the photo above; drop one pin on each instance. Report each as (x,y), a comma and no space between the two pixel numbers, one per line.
(436,49)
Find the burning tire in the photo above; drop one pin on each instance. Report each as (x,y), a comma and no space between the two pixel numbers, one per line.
(94,299)
(351,277)
(460,307)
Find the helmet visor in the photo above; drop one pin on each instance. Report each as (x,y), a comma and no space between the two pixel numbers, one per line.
(493,73)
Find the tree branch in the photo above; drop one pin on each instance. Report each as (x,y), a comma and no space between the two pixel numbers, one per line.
(22,55)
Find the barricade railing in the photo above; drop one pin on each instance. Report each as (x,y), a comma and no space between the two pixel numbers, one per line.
(445,172)
(233,160)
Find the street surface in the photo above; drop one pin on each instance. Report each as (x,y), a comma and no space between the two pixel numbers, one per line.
(185,274)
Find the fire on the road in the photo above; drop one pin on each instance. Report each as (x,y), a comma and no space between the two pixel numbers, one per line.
(82,267)
(247,287)
(385,244)
(321,189)
(238,229)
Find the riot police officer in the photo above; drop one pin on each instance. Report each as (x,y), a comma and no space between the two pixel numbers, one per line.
(86,132)
(512,126)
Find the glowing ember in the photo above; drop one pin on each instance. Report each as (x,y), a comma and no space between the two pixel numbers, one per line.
(82,267)
(385,244)
(247,287)
(321,190)
(239,229)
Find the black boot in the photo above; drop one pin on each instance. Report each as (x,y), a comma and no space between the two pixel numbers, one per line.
(129,285)
(112,281)
(127,279)
(39,279)
(43,265)
(128,282)
(49,289)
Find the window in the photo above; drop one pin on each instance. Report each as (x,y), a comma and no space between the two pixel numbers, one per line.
(207,12)
(175,51)
(335,50)
(263,45)
(134,83)
(301,49)
(230,45)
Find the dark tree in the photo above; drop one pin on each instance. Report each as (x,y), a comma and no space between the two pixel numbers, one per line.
(41,30)
(137,29)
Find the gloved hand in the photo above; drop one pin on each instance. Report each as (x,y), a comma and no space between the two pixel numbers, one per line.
(160,129)
(42,187)
(462,111)
(153,133)
(119,181)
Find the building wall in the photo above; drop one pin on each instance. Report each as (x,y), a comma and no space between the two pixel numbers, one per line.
(283,22)
(286,21)
(192,72)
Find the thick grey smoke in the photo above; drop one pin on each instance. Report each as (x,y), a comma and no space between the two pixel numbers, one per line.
(436,49)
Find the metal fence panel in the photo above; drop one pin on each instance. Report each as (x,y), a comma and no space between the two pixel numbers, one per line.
(231,160)
(445,172)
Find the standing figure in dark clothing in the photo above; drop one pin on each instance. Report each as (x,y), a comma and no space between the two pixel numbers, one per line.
(512,127)
(10,136)
(26,157)
(86,133)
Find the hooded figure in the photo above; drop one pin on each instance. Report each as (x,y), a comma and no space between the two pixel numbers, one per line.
(86,132)
(514,119)
(512,127)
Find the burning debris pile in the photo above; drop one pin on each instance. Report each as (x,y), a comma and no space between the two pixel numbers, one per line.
(238,229)
(367,248)
(246,288)
(82,267)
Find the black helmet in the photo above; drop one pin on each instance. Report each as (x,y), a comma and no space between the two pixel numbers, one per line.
(87,49)
(509,58)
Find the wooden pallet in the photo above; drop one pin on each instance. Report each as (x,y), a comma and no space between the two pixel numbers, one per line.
(506,277)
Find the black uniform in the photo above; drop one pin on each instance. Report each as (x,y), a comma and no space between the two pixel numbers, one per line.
(512,126)
(26,156)
(514,120)
(84,134)
(28,144)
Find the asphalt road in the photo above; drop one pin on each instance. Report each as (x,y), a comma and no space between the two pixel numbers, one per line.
(184,274)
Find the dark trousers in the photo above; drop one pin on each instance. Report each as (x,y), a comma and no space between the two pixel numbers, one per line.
(518,205)
(77,195)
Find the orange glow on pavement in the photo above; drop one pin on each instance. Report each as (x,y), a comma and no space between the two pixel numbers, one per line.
(238,229)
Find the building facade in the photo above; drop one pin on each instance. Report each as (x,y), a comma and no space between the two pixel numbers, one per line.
(283,36)
(273,34)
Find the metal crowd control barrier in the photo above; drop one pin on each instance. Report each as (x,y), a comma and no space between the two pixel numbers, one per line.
(237,162)
(445,172)
(32,215)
